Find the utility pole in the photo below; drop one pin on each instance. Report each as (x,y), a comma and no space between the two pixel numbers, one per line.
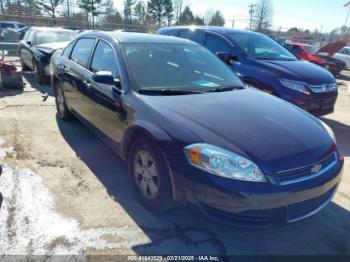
(251,12)
(68,11)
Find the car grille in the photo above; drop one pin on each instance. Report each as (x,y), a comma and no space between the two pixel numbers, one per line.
(237,219)
(332,94)
(308,207)
(324,89)
(304,173)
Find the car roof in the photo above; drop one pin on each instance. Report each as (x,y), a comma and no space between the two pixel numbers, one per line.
(129,37)
(216,29)
(43,28)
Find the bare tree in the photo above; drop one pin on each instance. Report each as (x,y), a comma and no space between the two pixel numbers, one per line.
(50,7)
(140,11)
(128,4)
(177,6)
(263,16)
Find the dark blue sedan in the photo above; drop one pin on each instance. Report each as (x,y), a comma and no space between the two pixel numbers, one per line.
(190,131)
(265,64)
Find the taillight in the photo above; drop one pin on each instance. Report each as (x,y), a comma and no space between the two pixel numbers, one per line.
(8,68)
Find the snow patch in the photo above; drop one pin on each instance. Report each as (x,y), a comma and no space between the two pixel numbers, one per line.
(29,223)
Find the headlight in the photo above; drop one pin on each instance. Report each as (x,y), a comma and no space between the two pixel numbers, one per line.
(298,86)
(329,130)
(223,163)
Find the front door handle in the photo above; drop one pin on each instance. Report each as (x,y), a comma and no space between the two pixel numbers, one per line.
(87,83)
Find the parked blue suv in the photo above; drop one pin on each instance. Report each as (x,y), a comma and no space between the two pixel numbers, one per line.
(264,64)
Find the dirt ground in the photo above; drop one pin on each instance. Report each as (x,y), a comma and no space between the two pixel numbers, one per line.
(66,192)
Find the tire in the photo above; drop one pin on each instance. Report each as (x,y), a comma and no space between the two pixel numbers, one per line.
(39,76)
(61,106)
(150,175)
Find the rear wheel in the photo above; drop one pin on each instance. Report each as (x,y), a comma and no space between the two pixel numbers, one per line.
(62,109)
(150,175)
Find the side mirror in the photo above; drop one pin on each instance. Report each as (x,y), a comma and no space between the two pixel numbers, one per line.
(104,77)
(227,58)
(29,42)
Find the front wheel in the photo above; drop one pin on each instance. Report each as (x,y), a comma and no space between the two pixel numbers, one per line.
(39,75)
(150,175)
(23,66)
(62,109)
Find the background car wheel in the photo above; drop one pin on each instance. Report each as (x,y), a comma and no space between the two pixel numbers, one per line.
(62,109)
(39,76)
(150,175)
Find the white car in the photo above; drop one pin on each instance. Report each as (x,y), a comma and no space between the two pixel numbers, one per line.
(344,55)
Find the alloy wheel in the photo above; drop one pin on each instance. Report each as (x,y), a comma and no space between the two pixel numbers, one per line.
(146,175)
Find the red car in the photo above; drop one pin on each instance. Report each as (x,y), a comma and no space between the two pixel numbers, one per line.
(321,56)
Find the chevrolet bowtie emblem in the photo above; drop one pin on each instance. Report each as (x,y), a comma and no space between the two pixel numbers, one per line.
(316,168)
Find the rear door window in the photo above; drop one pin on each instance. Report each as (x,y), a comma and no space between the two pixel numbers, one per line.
(82,50)
(185,33)
(217,44)
(171,32)
(104,59)
(7,25)
(197,36)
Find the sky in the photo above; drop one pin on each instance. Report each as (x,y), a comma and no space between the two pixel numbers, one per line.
(322,15)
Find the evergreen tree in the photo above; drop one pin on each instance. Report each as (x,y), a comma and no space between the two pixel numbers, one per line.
(217,19)
(186,17)
(159,10)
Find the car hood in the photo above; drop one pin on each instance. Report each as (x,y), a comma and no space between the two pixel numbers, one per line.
(332,47)
(51,47)
(273,133)
(300,70)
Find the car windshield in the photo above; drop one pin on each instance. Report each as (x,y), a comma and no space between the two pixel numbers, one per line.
(177,67)
(51,36)
(262,47)
(310,49)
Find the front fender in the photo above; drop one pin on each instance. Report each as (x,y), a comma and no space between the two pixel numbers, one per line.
(145,128)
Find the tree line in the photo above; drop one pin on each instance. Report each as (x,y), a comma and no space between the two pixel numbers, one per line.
(135,12)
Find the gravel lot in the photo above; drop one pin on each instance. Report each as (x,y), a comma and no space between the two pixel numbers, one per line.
(65,192)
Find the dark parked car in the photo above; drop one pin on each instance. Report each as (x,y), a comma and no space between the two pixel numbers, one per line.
(264,64)
(312,54)
(37,46)
(5,26)
(190,131)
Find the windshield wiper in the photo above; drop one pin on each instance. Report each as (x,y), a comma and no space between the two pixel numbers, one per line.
(167,91)
(225,88)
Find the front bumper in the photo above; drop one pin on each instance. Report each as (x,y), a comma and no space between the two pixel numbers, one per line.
(317,103)
(258,205)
